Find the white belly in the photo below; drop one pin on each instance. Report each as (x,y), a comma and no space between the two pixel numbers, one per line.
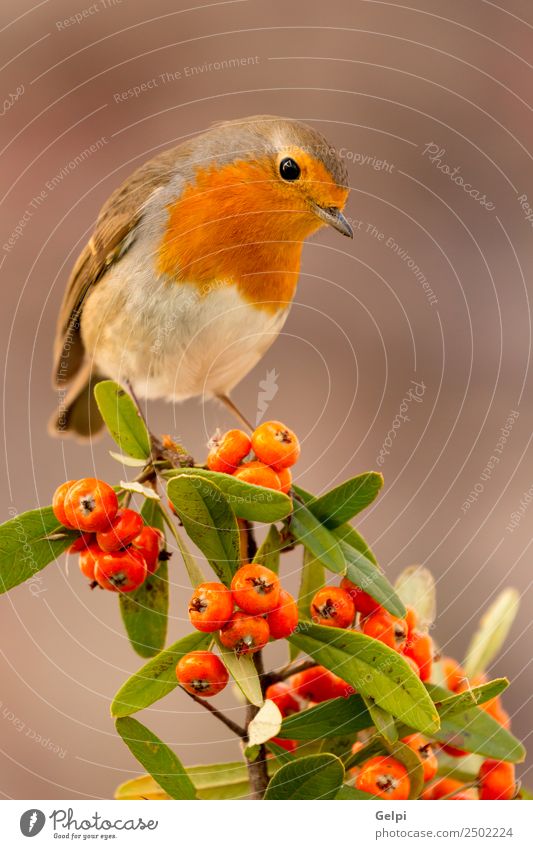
(169,340)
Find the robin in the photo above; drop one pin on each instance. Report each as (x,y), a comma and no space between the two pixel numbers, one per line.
(193,264)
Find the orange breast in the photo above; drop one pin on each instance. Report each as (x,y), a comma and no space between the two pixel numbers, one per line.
(234,225)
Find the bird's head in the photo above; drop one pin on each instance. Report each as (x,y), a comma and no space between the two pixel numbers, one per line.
(254,190)
(279,169)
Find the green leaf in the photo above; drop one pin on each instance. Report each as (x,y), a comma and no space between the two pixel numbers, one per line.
(128,461)
(156,678)
(471,698)
(194,572)
(140,489)
(209,522)
(334,718)
(362,572)
(122,419)
(347,793)
(383,721)
(373,669)
(492,632)
(474,730)
(212,781)
(412,763)
(416,588)
(316,538)
(24,549)
(265,724)
(341,504)
(242,670)
(160,761)
(268,552)
(220,781)
(353,538)
(312,578)
(248,501)
(313,777)
(282,755)
(145,611)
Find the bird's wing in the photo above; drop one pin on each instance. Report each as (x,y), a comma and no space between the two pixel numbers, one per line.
(113,234)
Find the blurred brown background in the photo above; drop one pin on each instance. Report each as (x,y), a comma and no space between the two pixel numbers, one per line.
(383,81)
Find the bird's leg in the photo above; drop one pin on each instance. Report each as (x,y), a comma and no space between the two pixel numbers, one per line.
(175,457)
(226,400)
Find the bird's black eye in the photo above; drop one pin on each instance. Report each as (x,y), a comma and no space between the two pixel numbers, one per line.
(289,169)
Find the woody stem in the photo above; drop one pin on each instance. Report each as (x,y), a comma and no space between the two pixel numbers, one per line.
(257,769)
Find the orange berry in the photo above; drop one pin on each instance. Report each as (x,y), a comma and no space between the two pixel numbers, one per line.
(411,619)
(387,629)
(445,786)
(275,445)
(120,571)
(88,559)
(259,474)
(81,543)
(245,634)
(283,620)
(285,480)
(282,695)
(420,648)
(58,503)
(202,673)
(255,589)
(126,525)
(210,607)
(333,606)
(228,451)
(385,777)
(454,673)
(495,709)
(363,603)
(288,745)
(422,746)
(90,505)
(150,543)
(318,684)
(496,780)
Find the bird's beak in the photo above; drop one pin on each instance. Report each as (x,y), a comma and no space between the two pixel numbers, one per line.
(333,216)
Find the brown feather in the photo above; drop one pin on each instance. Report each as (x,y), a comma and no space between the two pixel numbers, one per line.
(116,221)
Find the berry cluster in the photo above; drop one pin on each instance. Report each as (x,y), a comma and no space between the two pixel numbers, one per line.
(339,606)
(264,611)
(349,606)
(386,777)
(264,459)
(117,550)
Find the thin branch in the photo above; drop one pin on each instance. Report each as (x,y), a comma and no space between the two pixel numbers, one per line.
(237,729)
(283,674)
(251,544)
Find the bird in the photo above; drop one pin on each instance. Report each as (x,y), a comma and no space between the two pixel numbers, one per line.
(192,266)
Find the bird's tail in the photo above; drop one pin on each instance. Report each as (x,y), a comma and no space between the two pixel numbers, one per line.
(78,415)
